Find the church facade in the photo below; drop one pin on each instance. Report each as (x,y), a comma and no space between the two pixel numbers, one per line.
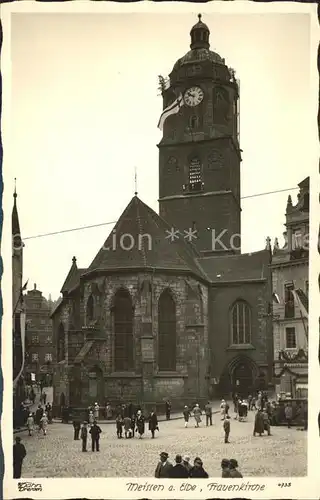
(169,307)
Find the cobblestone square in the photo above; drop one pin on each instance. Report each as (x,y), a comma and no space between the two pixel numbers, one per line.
(284,453)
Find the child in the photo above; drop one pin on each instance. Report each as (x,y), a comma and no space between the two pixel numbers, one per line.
(127,427)
(84,435)
(226,427)
(119,424)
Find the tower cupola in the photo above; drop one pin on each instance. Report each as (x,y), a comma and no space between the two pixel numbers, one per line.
(200,35)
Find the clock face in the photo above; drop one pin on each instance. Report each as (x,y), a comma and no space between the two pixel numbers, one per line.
(193,96)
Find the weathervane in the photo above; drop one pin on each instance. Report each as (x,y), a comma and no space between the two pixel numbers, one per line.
(135,182)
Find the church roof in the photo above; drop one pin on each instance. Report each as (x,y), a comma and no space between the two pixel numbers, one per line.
(151,248)
(230,268)
(73,277)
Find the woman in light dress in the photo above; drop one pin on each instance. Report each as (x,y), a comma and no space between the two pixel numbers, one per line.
(197,415)
(223,409)
(44,423)
(30,424)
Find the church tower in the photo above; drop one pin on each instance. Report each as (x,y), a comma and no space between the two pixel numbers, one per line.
(199,153)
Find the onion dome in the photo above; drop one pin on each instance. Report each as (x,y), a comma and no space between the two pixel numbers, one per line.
(199,47)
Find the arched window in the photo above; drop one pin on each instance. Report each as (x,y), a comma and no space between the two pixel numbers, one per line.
(90,308)
(195,175)
(193,122)
(241,323)
(167,335)
(61,350)
(123,329)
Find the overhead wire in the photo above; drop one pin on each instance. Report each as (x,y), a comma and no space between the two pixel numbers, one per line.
(81,228)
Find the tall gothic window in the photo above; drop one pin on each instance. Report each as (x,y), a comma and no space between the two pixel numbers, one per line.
(61,350)
(90,308)
(195,175)
(241,323)
(123,330)
(167,335)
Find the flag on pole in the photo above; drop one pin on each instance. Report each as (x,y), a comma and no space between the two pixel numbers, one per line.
(19,346)
(170,110)
(302,301)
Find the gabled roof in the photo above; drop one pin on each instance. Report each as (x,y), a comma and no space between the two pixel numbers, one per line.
(151,246)
(73,278)
(56,306)
(245,267)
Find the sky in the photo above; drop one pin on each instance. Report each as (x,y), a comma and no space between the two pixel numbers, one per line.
(84,112)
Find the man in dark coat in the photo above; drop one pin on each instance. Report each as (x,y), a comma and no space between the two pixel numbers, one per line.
(39,414)
(19,452)
(208,412)
(84,435)
(225,467)
(258,423)
(197,470)
(153,423)
(76,426)
(179,471)
(95,432)
(233,466)
(163,469)
(168,410)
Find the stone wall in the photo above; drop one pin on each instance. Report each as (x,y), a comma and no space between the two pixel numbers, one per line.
(145,382)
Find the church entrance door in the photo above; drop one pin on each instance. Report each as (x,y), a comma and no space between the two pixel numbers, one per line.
(242,379)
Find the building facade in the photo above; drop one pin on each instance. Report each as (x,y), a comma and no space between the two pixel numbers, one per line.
(180,315)
(290,274)
(40,351)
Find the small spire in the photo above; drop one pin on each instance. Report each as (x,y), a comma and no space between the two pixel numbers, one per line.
(74,261)
(135,182)
(15,188)
(289,202)
(199,16)
(276,245)
(35,286)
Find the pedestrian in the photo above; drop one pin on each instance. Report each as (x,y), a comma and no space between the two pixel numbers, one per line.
(168,410)
(127,427)
(226,410)
(233,466)
(253,404)
(133,424)
(186,415)
(164,467)
(258,423)
(197,470)
(153,423)
(108,411)
(96,411)
(186,463)
(225,467)
(178,470)
(30,424)
(19,453)
(249,402)
(119,425)
(208,412)
(226,428)
(288,414)
(84,435)
(39,413)
(223,409)
(197,415)
(266,422)
(44,398)
(44,424)
(95,432)
(140,423)
(91,418)
(76,427)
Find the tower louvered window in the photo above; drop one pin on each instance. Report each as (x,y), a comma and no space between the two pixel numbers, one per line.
(123,332)
(195,175)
